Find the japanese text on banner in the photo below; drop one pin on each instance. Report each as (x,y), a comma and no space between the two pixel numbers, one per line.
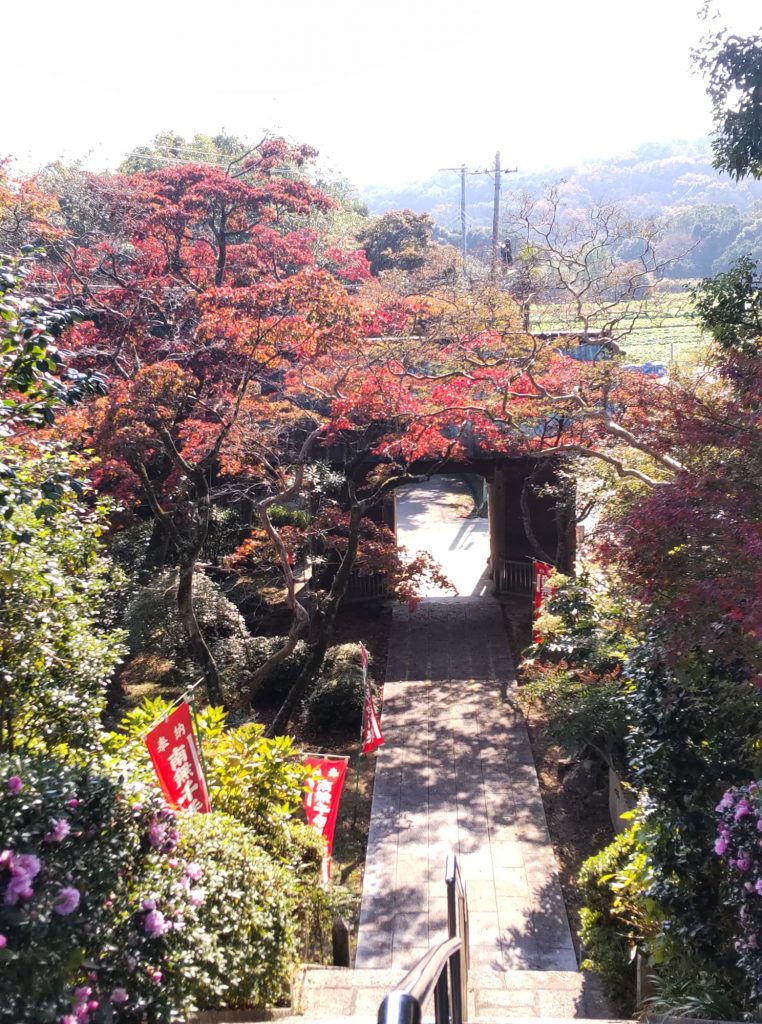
(174,751)
(321,800)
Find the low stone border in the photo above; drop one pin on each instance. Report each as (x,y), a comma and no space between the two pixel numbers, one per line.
(240,1016)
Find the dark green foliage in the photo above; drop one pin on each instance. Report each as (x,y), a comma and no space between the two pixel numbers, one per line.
(694,732)
(583,710)
(398,240)
(733,67)
(730,306)
(583,627)
(336,702)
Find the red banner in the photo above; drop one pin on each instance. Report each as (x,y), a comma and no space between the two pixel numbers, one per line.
(372,736)
(542,590)
(321,801)
(175,754)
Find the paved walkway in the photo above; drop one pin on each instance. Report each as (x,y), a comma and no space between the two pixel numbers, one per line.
(431,516)
(456,774)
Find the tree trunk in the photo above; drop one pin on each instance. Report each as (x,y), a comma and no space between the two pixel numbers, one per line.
(188,618)
(325,618)
(526,519)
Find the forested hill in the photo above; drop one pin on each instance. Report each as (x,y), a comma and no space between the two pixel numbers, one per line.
(674,181)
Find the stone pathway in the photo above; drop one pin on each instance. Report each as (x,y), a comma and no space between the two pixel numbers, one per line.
(456,775)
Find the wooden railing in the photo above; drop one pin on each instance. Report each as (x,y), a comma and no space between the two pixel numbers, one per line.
(514,577)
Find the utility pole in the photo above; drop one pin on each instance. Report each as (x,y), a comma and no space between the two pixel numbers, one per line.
(496,170)
(462,172)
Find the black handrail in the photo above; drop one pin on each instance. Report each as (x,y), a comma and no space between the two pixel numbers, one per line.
(404,1004)
(457,925)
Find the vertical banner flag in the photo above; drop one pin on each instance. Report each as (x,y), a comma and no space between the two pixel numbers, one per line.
(176,758)
(542,590)
(321,800)
(372,736)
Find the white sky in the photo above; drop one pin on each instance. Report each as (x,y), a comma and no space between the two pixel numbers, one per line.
(387,90)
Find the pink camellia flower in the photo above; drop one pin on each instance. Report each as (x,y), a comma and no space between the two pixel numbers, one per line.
(148,904)
(743,863)
(3,941)
(119,995)
(59,832)
(92,1005)
(194,871)
(726,802)
(73,802)
(68,1018)
(154,923)
(19,888)
(742,809)
(67,900)
(156,833)
(758,887)
(156,976)
(15,784)
(196,897)
(720,845)
(26,864)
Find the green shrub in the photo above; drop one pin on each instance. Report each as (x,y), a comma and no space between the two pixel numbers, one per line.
(337,700)
(583,710)
(282,516)
(55,656)
(247,915)
(79,856)
(154,628)
(606,933)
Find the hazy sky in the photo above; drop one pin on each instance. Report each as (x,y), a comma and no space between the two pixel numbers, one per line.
(387,91)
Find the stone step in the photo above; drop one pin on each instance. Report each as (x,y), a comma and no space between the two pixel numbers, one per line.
(324,993)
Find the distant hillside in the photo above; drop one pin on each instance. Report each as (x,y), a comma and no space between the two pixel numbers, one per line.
(674,182)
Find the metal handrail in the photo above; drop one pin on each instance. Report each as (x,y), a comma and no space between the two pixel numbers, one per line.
(457,925)
(404,1004)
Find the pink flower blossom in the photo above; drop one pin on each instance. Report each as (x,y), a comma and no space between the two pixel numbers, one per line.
(157,976)
(92,1005)
(3,941)
(720,845)
(196,897)
(154,923)
(148,904)
(194,871)
(68,1018)
(59,832)
(726,802)
(67,900)
(15,784)
(743,863)
(73,802)
(742,809)
(119,995)
(758,887)
(19,888)
(26,864)
(156,834)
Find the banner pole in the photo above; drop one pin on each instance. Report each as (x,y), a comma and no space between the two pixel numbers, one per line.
(192,702)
